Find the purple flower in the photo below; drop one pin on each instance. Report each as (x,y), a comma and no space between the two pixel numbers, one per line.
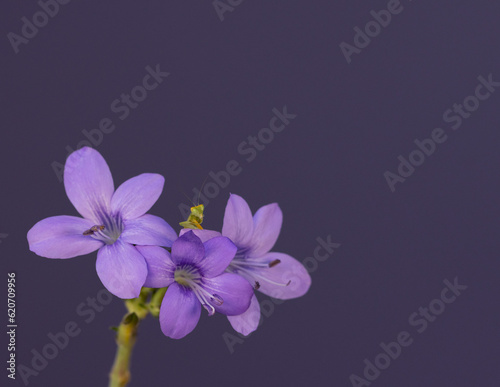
(275,274)
(113,222)
(194,274)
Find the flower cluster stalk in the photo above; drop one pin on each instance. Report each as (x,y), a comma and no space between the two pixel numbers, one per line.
(126,334)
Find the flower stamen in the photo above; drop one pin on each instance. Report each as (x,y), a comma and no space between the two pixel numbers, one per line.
(94,229)
(217,300)
(209,308)
(252,271)
(189,277)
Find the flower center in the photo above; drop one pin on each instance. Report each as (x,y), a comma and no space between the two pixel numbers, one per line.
(186,276)
(108,231)
(189,277)
(254,271)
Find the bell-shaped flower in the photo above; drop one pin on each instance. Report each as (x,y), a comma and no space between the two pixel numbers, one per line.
(113,222)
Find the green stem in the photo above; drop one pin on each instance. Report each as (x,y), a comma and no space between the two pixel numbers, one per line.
(126,336)
(125,340)
(155,303)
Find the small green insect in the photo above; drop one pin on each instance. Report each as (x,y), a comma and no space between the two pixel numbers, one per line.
(195,219)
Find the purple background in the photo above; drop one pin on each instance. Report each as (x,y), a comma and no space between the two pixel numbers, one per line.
(325,170)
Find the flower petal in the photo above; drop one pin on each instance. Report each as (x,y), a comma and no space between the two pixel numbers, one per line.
(88,182)
(160,266)
(122,269)
(179,312)
(204,235)
(137,195)
(267,226)
(235,291)
(148,230)
(187,249)
(238,222)
(248,321)
(62,237)
(219,252)
(289,269)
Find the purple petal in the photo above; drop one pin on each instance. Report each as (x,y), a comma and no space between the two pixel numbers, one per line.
(238,222)
(234,290)
(62,237)
(122,269)
(137,195)
(179,312)
(267,225)
(248,321)
(148,230)
(187,249)
(289,269)
(219,252)
(160,266)
(88,182)
(204,235)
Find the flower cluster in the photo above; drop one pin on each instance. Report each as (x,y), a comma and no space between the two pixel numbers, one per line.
(218,271)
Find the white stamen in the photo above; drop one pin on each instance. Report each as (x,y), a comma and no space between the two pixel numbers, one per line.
(246,268)
(188,276)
